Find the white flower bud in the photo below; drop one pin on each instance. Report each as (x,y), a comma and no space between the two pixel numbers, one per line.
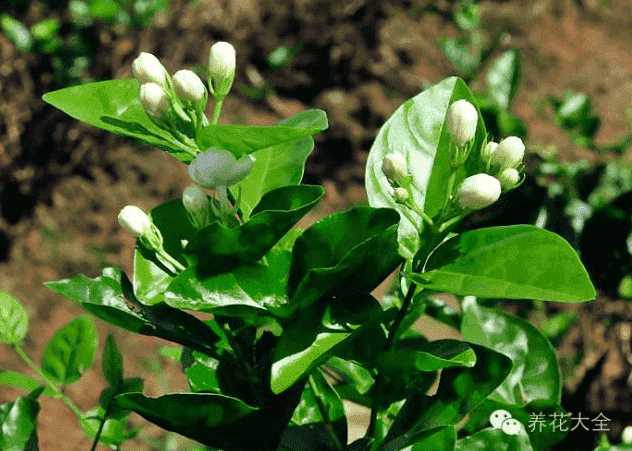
(221,67)
(196,204)
(461,120)
(509,152)
(134,220)
(626,436)
(154,100)
(188,86)
(394,167)
(148,69)
(479,191)
(488,150)
(509,178)
(400,195)
(219,167)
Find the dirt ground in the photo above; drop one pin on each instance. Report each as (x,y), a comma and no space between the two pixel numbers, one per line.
(62,183)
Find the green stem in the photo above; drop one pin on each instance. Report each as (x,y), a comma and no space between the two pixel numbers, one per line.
(101,425)
(65,399)
(388,346)
(176,264)
(217,109)
(325,414)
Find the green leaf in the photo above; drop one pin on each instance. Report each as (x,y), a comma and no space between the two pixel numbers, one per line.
(320,406)
(112,362)
(503,78)
(114,106)
(220,249)
(354,251)
(71,352)
(535,373)
(18,425)
(212,419)
(245,139)
(430,356)
(513,262)
(114,430)
(353,381)
(201,371)
(457,51)
(442,438)
(248,291)
(13,320)
(22,381)
(17,32)
(491,439)
(460,390)
(110,297)
(416,130)
(312,339)
(550,415)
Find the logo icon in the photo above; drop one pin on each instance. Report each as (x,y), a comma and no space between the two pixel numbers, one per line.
(501,419)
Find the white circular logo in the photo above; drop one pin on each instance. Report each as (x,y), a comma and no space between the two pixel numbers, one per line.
(497,417)
(511,426)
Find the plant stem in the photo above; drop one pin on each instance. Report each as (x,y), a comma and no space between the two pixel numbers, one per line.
(217,109)
(388,346)
(176,264)
(65,399)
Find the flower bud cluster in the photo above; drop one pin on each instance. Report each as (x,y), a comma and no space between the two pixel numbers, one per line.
(160,95)
(504,160)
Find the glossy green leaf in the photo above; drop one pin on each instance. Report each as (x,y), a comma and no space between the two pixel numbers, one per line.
(430,356)
(22,381)
(110,297)
(513,262)
(460,390)
(212,419)
(220,249)
(535,373)
(201,371)
(112,362)
(248,291)
(274,167)
(491,439)
(71,352)
(353,250)
(320,405)
(442,438)
(151,276)
(503,78)
(416,130)
(543,422)
(316,334)
(18,425)
(245,139)
(114,106)
(353,381)
(114,430)
(13,319)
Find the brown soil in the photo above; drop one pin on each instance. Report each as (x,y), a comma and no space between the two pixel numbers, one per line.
(62,183)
